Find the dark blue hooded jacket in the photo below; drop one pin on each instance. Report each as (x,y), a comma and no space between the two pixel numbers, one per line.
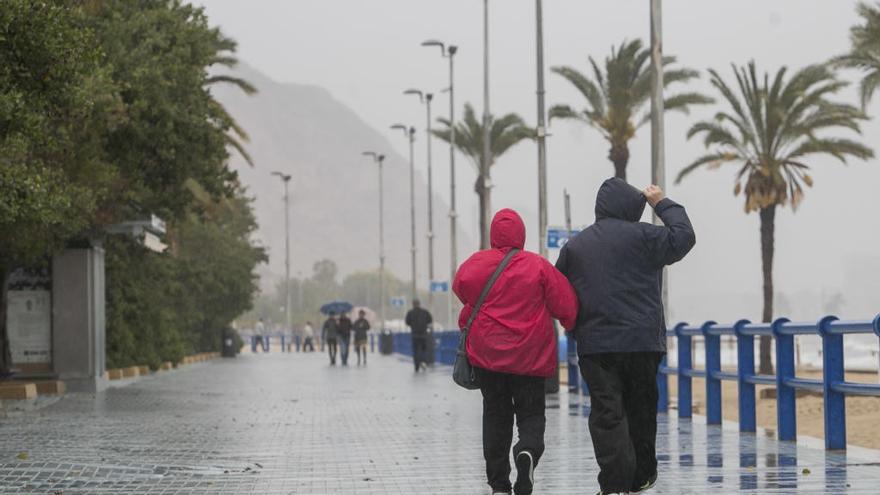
(616,268)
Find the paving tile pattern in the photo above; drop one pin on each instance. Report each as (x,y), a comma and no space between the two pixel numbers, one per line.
(290,424)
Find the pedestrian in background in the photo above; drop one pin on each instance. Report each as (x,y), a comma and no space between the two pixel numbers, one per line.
(343,331)
(328,335)
(616,266)
(511,344)
(308,338)
(259,330)
(419,319)
(361,327)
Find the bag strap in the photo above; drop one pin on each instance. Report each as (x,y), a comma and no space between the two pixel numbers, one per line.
(488,287)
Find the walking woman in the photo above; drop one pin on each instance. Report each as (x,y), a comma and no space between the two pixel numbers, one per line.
(512,346)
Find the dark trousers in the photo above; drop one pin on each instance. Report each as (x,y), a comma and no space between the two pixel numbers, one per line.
(308,345)
(360,346)
(419,348)
(506,396)
(331,349)
(623,416)
(343,350)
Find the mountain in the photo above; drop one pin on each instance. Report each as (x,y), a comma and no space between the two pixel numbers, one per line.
(334,213)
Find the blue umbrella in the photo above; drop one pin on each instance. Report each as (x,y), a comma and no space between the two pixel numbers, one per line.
(336,307)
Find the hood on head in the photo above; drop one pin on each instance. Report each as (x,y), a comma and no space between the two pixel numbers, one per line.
(508,230)
(617,199)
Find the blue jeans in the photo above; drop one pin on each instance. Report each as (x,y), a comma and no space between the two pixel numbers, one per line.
(343,349)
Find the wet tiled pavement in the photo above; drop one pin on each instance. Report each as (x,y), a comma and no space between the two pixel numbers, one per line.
(288,423)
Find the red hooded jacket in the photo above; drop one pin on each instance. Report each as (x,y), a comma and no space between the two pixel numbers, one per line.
(513,331)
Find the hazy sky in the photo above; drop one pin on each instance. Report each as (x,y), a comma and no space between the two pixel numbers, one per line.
(367,52)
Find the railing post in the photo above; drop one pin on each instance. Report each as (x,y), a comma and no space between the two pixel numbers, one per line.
(745,368)
(786,402)
(712,343)
(685,364)
(282,343)
(832,373)
(662,388)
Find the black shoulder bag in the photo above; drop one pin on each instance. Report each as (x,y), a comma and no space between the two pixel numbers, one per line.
(462,371)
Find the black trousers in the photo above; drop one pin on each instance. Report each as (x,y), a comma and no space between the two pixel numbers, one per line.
(506,396)
(420,348)
(331,349)
(623,416)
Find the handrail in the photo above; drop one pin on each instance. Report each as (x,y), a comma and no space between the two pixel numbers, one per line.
(833,384)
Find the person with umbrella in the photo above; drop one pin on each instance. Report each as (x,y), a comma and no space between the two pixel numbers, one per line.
(329,334)
(343,332)
(361,327)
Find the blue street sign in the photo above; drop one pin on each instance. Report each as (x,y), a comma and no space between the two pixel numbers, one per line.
(557,237)
(439,286)
(398,302)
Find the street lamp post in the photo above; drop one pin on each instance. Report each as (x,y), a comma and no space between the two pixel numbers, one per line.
(410,133)
(484,162)
(449,52)
(379,159)
(541,134)
(426,99)
(658,162)
(286,179)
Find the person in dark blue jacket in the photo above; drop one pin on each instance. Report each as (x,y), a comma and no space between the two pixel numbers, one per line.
(616,268)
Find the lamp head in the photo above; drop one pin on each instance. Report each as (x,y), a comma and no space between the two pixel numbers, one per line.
(415,92)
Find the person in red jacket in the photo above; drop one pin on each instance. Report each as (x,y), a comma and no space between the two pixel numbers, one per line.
(512,346)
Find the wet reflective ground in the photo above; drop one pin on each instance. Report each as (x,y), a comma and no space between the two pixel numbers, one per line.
(279,424)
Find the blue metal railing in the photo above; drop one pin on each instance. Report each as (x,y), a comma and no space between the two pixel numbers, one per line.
(833,384)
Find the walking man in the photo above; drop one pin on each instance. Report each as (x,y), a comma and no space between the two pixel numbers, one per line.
(308,338)
(328,335)
(361,327)
(418,319)
(259,330)
(343,330)
(616,267)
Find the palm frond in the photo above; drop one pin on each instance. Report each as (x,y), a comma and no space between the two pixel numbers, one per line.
(711,159)
(239,82)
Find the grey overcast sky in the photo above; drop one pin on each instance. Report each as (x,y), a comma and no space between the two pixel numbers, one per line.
(366,52)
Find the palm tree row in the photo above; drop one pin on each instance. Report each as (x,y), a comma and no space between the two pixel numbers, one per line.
(771,128)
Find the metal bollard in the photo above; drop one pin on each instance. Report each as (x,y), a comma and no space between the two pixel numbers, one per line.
(663,389)
(571,354)
(372,344)
(297,342)
(282,343)
(832,373)
(745,356)
(786,403)
(712,343)
(685,365)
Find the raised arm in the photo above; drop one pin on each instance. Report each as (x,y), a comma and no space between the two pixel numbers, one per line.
(670,242)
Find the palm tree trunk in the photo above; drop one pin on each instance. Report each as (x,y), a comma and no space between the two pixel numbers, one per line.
(619,156)
(768,226)
(483,195)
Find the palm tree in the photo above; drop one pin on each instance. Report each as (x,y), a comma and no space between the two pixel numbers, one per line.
(504,133)
(865,52)
(770,131)
(224,47)
(615,98)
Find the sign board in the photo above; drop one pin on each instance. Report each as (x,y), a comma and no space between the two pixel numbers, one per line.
(557,237)
(439,286)
(29,325)
(398,302)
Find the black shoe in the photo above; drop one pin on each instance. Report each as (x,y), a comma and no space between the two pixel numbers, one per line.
(647,485)
(525,473)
